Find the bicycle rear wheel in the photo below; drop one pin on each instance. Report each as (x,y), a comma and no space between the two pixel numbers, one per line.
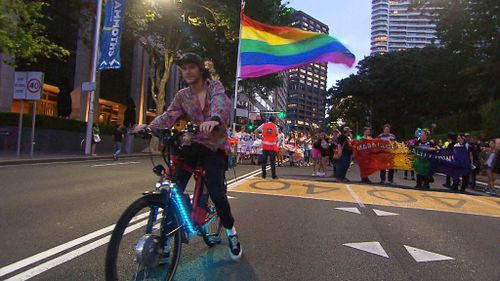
(140,248)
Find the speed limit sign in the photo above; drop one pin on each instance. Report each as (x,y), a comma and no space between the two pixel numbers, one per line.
(34,85)
(28,85)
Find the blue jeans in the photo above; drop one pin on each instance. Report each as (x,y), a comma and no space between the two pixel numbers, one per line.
(342,166)
(307,155)
(118,148)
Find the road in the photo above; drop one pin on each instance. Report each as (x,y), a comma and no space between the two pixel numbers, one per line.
(55,220)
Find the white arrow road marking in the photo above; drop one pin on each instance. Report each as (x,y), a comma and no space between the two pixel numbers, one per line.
(351,210)
(425,256)
(370,247)
(381,213)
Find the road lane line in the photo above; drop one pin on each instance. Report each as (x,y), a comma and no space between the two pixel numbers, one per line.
(247,175)
(58,249)
(69,256)
(355,196)
(115,164)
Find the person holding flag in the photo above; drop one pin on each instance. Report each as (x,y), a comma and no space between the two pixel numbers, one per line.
(270,132)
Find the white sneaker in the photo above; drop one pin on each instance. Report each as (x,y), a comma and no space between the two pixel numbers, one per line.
(314,174)
(321,174)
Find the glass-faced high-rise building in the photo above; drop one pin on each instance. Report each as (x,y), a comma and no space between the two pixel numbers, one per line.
(399,25)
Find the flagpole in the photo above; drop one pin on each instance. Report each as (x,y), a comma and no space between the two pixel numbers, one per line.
(236,84)
(95,52)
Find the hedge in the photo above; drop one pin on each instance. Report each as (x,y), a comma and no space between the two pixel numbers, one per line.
(49,122)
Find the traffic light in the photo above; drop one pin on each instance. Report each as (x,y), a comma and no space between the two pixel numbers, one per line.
(282,114)
(358,137)
(250,127)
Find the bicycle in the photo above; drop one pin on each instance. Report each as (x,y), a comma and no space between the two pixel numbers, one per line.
(172,219)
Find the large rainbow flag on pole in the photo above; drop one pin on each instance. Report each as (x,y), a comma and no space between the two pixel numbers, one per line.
(267,49)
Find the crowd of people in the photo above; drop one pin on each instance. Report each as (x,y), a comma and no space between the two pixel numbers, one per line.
(320,150)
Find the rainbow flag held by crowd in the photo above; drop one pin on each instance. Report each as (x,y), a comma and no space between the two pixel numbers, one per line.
(374,155)
(267,49)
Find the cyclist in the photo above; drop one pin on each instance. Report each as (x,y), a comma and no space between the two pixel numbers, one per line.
(203,102)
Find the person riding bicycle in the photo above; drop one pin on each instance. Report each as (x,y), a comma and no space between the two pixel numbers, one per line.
(203,102)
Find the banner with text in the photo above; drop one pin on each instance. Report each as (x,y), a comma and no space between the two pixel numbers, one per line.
(374,155)
(111,35)
(453,162)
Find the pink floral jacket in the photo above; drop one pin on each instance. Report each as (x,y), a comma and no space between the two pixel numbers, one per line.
(185,105)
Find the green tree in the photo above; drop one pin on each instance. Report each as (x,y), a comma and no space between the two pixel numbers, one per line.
(208,27)
(22,32)
(471,29)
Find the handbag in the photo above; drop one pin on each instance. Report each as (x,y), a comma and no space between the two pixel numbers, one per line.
(337,153)
(97,138)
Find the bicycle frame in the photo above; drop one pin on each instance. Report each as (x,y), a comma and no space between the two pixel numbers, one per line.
(190,221)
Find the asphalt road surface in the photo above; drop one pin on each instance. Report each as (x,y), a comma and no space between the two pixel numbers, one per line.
(55,220)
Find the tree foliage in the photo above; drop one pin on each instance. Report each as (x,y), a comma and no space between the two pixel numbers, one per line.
(22,32)
(207,27)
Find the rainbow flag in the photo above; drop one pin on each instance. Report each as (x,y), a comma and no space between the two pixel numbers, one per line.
(267,49)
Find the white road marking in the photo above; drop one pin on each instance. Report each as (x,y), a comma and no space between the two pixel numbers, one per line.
(355,196)
(351,210)
(69,256)
(370,247)
(115,164)
(381,213)
(330,199)
(420,255)
(79,251)
(63,247)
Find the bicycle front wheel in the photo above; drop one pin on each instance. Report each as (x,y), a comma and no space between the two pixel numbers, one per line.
(145,244)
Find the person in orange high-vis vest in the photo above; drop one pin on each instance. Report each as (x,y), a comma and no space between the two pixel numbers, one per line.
(270,147)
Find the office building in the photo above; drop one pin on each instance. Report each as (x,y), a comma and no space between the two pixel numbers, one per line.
(398,25)
(307,84)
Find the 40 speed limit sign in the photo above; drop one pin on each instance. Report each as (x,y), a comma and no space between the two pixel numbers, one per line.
(28,85)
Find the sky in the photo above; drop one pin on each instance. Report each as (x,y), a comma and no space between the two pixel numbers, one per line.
(349,21)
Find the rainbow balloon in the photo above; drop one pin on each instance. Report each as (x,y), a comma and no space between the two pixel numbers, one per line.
(267,49)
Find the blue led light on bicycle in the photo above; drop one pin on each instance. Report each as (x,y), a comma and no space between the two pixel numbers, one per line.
(184,214)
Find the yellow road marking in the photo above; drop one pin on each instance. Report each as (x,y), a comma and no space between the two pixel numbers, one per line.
(374,195)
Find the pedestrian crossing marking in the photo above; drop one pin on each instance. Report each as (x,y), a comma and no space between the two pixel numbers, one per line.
(374,195)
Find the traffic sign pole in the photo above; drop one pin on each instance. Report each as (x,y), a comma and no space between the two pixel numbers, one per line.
(20,129)
(33,120)
(95,53)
